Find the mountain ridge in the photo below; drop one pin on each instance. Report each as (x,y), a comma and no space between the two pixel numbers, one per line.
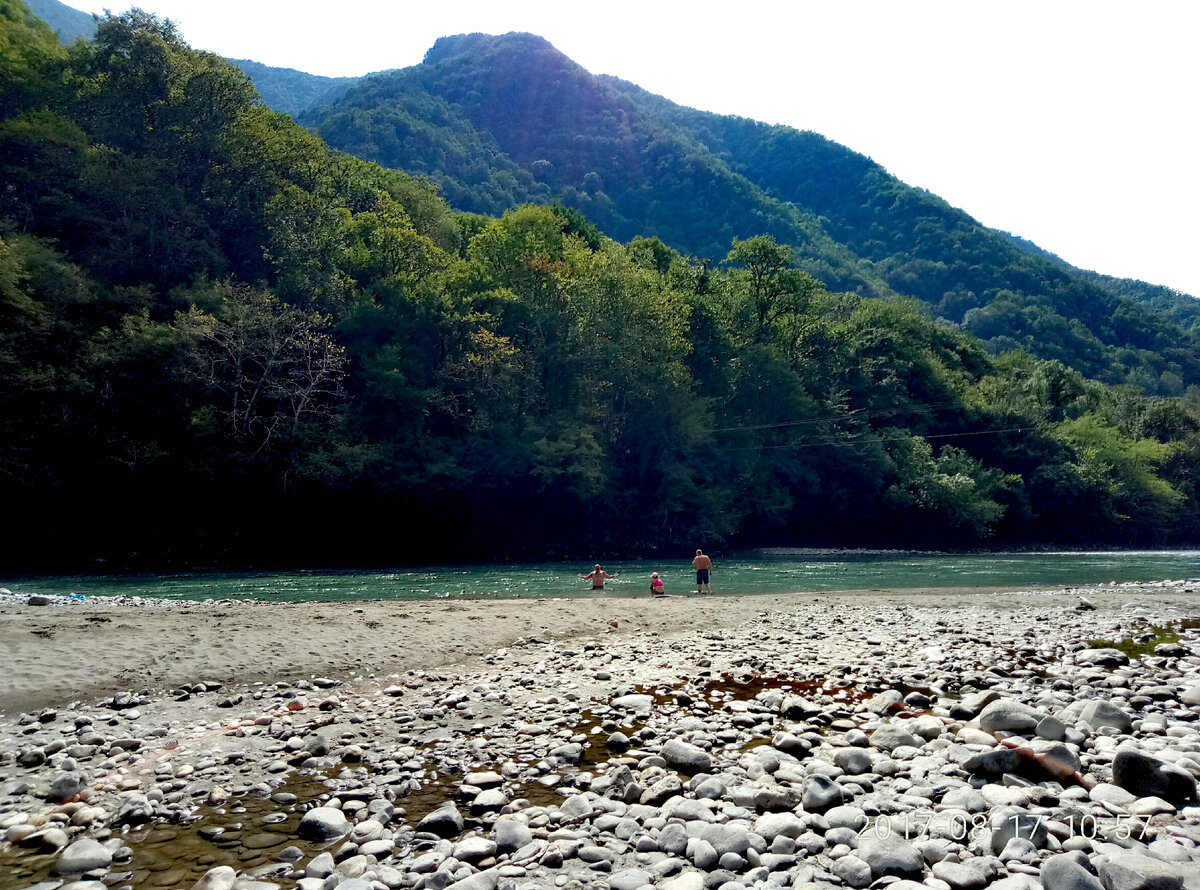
(638,164)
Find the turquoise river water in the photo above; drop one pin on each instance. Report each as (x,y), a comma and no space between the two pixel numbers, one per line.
(776,571)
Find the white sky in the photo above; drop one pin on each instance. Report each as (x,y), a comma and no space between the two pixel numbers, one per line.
(1073,124)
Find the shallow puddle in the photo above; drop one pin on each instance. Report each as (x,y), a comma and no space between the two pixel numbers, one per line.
(246,833)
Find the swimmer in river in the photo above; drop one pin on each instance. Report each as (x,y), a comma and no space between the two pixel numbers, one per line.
(703,567)
(597,576)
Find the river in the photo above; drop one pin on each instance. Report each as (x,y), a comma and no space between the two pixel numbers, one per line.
(774,571)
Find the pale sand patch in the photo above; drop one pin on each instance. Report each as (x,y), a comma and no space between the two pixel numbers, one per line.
(52,655)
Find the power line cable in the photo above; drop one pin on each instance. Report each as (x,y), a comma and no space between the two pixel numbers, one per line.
(859,441)
(856,413)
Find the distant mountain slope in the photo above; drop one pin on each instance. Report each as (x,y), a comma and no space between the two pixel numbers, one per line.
(499,120)
(496,121)
(1004,289)
(67,22)
(290,91)
(283,89)
(1176,305)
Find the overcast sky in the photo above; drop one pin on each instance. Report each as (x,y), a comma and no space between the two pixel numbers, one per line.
(1073,124)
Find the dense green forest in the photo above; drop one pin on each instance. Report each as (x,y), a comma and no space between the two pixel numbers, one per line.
(223,342)
(291,91)
(496,121)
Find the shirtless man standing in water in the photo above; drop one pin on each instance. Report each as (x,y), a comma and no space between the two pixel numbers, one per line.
(597,576)
(703,567)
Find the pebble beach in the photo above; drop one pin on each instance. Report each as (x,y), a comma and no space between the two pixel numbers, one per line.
(960,739)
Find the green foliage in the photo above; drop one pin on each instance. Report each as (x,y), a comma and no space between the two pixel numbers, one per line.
(267,366)
(569,136)
(28,48)
(774,293)
(1118,475)
(954,491)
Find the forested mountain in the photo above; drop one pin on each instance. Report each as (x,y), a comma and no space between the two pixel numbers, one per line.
(223,341)
(68,23)
(283,89)
(496,121)
(291,91)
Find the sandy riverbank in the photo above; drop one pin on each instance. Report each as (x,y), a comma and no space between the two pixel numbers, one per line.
(83,651)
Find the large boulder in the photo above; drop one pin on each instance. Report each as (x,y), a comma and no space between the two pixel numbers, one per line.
(820,793)
(885,702)
(1102,657)
(794,707)
(1130,870)
(661,791)
(1099,713)
(510,834)
(222,877)
(445,821)
(1146,776)
(890,855)
(852,872)
(630,879)
(973,874)
(689,880)
(688,810)
(728,838)
(65,786)
(323,824)
(995,762)
(1007,715)
(891,736)
(1057,758)
(134,810)
(473,848)
(773,825)
(484,880)
(673,839)
(634,702)
(1065,873)
(972,704)
(686,758)
(86,854)
(854,761)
